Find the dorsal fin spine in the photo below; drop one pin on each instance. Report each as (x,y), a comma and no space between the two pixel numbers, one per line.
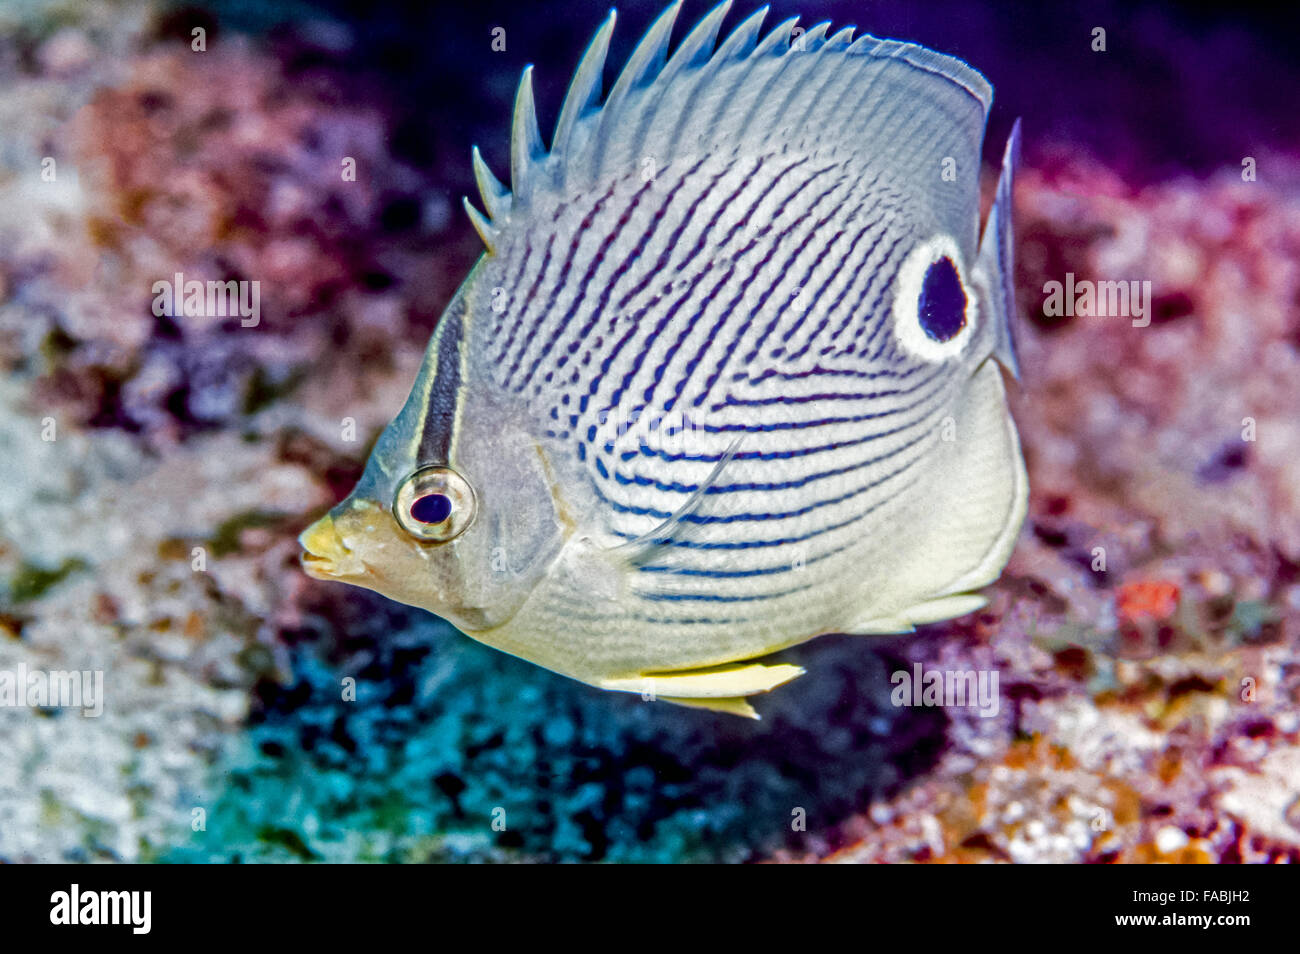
(496,197)
(841,41)
(696,49)
(740,43)
(813,40)
(486,231)
(584,91)
(526,149)
(647,60)
(776,42)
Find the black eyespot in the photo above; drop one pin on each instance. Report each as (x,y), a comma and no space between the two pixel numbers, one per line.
(431,508)
(942,305)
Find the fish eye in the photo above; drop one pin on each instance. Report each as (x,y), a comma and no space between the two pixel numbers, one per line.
(934,307)
(435,504)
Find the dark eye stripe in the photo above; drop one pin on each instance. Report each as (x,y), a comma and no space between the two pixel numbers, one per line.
(444,390)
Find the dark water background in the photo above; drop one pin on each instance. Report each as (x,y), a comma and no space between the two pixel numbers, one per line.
(1180,88)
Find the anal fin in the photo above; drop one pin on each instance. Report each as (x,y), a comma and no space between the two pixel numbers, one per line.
(930,611)
(946,607)
(714,683)
(732,705)
(880,626)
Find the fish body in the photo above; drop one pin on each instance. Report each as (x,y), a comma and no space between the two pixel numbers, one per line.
(728,377)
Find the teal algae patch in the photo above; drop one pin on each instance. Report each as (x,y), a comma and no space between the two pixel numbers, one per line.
(452,751)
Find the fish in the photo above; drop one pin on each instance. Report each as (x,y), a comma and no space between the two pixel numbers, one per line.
(728,375)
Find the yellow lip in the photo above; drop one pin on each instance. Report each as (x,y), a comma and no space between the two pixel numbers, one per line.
(326,557)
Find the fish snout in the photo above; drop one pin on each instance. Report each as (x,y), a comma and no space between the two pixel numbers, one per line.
(325,555)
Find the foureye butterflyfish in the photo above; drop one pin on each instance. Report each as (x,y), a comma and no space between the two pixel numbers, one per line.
(728,376)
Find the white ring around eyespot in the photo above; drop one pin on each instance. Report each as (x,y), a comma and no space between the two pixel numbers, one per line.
(907,297)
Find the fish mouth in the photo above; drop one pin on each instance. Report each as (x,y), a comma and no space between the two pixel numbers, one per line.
(325,556)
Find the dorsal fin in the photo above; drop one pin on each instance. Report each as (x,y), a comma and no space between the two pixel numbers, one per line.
(703,100)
